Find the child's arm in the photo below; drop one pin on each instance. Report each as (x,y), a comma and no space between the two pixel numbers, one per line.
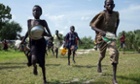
(78,37)
(99,30)
(26,35)
(96,21)
(47,28)
(117,23)
(66,37)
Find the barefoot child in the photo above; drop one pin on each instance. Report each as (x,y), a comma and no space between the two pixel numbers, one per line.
(71,43)
(106,21)
(36,33)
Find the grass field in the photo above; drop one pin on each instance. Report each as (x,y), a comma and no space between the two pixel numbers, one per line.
(13,69)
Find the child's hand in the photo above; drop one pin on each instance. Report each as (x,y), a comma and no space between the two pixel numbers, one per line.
(103,33)
(22,42)
(64,46)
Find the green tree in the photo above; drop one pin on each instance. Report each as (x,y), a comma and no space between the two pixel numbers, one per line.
(136,44)
(10,30)
(87,43)
(130,40)
(4,14)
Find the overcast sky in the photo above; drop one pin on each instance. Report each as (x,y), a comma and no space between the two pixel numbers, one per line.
(61,14)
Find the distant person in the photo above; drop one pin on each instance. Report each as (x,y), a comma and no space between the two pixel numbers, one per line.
(5,45)
(57,41)
(36,32)
(71,41)
(107,21)
(122,42)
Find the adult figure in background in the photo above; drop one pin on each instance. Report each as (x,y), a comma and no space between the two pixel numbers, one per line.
(122,42)
(107,21)
(36,32)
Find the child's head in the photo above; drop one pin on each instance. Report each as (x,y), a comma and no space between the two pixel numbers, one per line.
(109,5)
(56,32)
(37,11)
(72,28)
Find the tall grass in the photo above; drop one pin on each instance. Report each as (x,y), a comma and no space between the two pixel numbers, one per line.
(13,69)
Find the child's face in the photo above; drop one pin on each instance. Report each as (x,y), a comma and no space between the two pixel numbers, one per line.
(72,29)
(109,5)
(36,12)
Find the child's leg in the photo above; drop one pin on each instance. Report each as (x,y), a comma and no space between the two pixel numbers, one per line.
(44,72)
(69,53)
(74,52)
(74,56)
(41,61)
(124,48)
(29,57)
(114,73)
(56,52)
(114,55)
(102,49)
(101,57)
(34,61)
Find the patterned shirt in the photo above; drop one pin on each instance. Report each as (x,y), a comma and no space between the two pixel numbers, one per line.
(71,38)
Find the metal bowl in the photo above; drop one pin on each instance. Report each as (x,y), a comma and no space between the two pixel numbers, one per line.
(36,32)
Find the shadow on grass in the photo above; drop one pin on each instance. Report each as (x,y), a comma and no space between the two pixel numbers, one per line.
(136,79)
(99,83)
(52,64)
(87,66)
(71,56)
(58,82)
(83,66)
(11,63)
(55,82)
(11,67)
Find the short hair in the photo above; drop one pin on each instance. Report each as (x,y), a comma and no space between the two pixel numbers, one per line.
(38,7)
(56,30)
(107,0)
(72,27)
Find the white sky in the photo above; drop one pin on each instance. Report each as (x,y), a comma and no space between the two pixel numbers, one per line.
(61,14)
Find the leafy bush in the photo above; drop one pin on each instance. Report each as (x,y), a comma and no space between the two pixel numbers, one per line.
(87,43)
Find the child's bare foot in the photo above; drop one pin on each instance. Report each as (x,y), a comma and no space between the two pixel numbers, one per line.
(99,69)
(74,61)
(45,82)
(68,63)
(115,81)
(35,71)
(29,64)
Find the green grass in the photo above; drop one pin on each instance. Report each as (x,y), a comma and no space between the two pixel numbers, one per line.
(13,69)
